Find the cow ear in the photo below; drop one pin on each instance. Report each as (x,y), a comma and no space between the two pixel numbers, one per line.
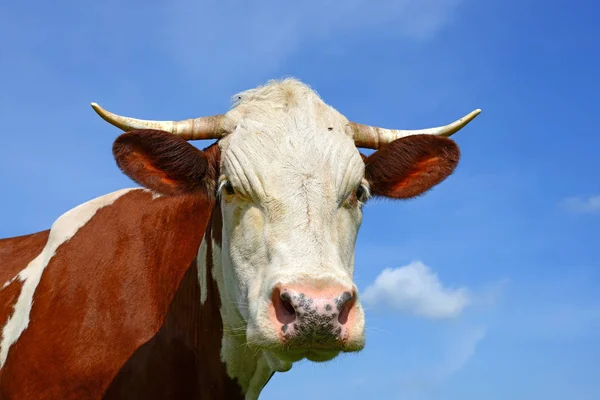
(409,166)
(161,161)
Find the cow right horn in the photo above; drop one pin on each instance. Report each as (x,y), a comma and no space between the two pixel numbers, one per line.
(373,137)
(189,129)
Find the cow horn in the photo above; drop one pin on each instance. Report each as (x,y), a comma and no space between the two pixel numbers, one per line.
(189,129)
(373,137)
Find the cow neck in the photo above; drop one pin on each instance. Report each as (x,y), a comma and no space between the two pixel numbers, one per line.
(183,359)
(249,368)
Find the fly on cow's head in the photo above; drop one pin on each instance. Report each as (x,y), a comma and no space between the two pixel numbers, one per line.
(291,184)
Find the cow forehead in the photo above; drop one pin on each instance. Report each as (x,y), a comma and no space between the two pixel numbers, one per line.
(285,133)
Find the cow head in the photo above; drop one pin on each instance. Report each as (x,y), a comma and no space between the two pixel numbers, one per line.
(291,185)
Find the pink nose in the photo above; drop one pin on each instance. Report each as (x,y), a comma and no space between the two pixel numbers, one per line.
(316,317)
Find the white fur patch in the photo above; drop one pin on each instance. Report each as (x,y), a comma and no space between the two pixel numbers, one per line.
(63,229)
(201,265)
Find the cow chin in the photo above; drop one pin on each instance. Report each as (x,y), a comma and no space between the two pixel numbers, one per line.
(281,357)
(314,354)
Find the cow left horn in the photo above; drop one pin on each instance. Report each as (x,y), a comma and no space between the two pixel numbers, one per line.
(373,137)
(189,129)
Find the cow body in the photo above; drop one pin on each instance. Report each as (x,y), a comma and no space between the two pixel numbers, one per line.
(233,263)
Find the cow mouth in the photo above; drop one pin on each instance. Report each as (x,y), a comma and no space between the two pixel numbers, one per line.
(316,352)
(314,348)
(316,355)
(321,355)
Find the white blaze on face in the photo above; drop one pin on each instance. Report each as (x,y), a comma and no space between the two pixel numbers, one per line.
(294,216)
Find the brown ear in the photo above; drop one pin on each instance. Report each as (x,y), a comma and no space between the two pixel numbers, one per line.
(161,161)
(410,166)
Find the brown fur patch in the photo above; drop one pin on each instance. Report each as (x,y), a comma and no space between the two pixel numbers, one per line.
(410,166)
(213,156)
(105,293)
(161,161)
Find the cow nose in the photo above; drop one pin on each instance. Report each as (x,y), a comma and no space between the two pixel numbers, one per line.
(318,316)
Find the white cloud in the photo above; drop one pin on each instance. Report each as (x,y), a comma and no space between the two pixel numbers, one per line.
(453,353)
(238,37)
(417,290)
(578,205)
(491,294)
(461,352)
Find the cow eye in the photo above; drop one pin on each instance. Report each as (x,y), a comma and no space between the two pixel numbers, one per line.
(228,187)
(360,193)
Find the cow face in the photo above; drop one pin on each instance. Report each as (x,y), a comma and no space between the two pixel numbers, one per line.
(291,188)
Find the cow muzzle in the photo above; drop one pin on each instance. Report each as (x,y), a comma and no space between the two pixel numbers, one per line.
(317,322)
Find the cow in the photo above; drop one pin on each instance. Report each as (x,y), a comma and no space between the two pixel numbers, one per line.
(226,265)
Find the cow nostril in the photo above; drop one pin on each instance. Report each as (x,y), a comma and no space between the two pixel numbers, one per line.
(284,310)
(286,300)
(344,304)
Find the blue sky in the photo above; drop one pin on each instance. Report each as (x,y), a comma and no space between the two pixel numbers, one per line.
(509,241)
